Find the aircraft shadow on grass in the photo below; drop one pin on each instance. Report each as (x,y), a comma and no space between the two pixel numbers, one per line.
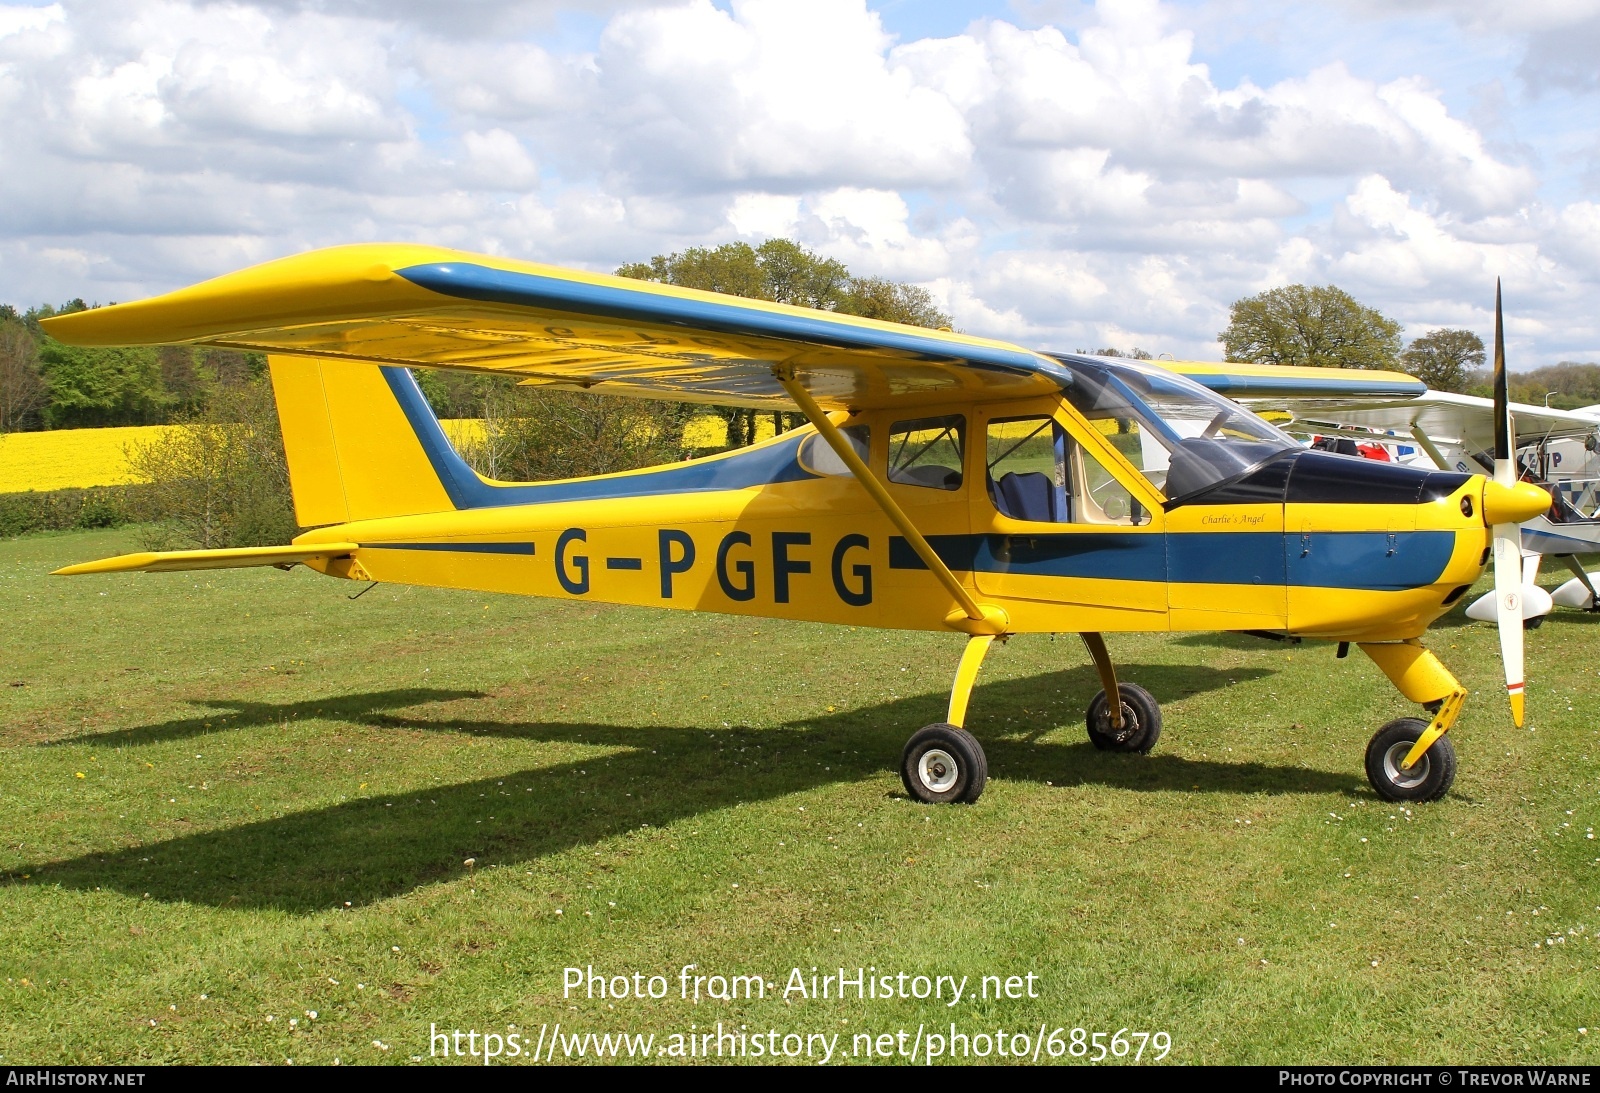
(374,848)
(228,714)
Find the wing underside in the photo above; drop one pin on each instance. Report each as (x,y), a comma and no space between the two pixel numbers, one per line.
(1356,400)
(1446,418)
(409,305)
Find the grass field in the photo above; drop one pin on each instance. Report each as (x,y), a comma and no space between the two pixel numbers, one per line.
(233,799)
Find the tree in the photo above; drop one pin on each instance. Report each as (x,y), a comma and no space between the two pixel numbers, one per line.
(91,386)
(218,480)
(1569,385)
(778,270)
(22,388)
(1444,359)
(1317,325)
(1111,351)
(892,302)
(784,272)
(531,435)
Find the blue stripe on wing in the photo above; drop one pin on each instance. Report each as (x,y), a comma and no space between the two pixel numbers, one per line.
(1348,383)
(468,281)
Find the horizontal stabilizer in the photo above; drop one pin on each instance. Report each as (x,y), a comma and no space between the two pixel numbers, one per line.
(175,561)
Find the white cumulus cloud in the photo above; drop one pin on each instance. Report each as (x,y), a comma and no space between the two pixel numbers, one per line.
(1112,177)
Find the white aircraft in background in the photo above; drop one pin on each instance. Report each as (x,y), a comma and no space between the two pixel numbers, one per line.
(1557,449)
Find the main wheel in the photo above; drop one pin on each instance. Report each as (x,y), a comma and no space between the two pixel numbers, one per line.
(1141,721)
(1428,780)
(942,763)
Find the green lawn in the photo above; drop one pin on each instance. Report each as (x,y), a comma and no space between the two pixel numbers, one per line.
(229,799)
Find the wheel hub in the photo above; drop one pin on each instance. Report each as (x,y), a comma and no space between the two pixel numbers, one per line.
(938,770)
(1405,779)
(1130,725)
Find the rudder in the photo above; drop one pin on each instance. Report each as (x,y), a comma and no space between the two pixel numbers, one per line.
(354,452)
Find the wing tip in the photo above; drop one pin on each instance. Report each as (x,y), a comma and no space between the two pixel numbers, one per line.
(177,561)
(119,564)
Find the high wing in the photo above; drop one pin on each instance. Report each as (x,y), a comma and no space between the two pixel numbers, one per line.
(1462,420)
(1355,401)
(400,304)
(1267,386)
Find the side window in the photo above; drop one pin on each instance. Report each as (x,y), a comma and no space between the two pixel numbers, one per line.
(1100,498)
(818,455)
(927,452)
(1026,458)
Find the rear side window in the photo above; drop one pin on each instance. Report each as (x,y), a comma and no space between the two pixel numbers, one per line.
(818,455)
(928,451)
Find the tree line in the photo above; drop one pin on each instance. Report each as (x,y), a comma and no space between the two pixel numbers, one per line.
(1324,326)
(47,385)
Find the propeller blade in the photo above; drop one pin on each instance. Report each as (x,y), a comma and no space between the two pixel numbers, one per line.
(1508,610)
(1503,439)
(1507,536)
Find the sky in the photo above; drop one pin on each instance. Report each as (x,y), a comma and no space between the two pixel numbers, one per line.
(1064,174)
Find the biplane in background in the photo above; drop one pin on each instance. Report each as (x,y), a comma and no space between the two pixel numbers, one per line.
(946,483)
(1558,450)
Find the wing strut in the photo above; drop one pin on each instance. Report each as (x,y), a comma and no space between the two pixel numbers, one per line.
(972,617)
(1425,442)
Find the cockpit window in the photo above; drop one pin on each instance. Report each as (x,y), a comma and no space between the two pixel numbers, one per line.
(1026,459)
(1183,437)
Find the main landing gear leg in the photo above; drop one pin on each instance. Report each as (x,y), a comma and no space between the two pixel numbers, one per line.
(944,762)
(1410,759)
(1123,716)
(1583,577)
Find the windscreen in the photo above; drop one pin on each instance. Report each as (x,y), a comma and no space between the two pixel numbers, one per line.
(1182,436)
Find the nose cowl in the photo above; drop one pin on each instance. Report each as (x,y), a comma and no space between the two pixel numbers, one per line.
(1512,504)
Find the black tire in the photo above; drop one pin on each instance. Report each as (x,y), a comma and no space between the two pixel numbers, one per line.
(1429,780)
(1141,721)
(942,764)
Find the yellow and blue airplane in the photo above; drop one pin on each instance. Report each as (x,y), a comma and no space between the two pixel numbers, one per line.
(945,482)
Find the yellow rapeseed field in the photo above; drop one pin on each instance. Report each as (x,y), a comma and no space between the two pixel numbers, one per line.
(64,459)
(703,431)
(69,458)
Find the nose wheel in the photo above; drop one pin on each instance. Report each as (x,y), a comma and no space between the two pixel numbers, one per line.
(1428,779)
(942,764)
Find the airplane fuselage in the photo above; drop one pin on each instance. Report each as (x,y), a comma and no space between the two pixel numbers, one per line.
(1308,543)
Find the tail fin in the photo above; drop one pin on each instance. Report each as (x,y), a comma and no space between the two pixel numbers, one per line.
(362,443)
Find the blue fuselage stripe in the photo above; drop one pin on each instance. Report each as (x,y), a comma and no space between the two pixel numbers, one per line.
(1379,561)
(463,548)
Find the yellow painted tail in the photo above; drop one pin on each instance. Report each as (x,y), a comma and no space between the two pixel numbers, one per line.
(362,443)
